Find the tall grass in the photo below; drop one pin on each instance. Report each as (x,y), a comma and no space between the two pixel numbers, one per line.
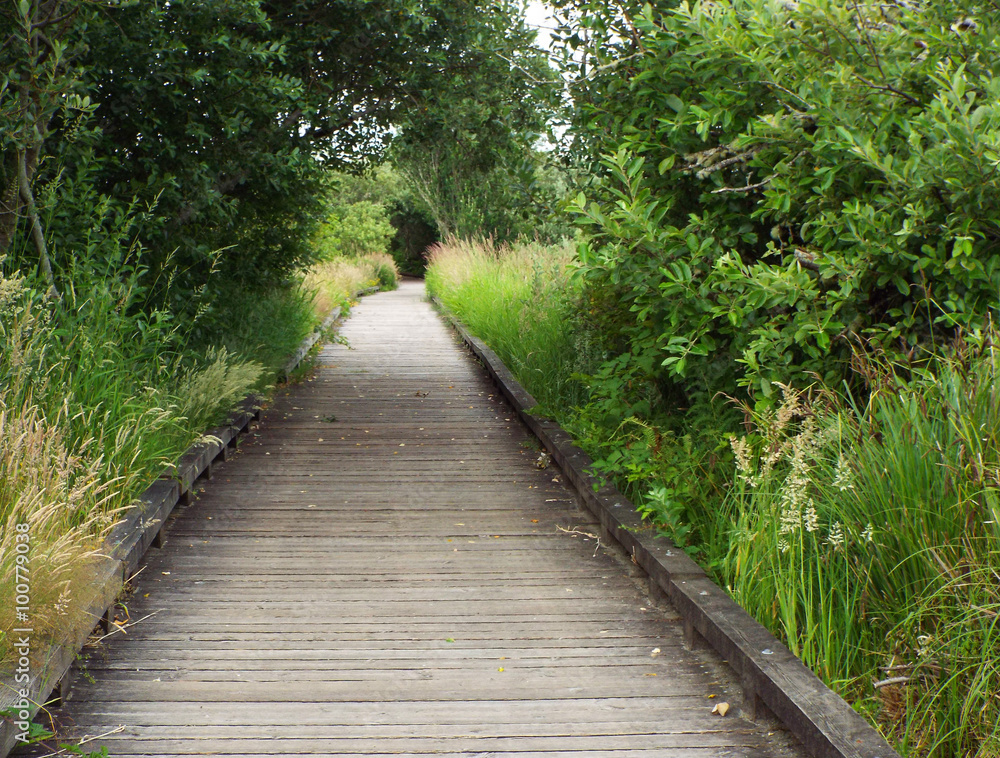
(99,392)
(867,535)
(65,502)
(95,399)
(264,327)
(520,299)
(335,281)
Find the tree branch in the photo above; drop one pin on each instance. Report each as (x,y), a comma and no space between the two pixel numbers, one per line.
(748,188)
(887,88)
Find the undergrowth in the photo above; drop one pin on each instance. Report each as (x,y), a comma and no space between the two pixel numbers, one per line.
(334,281)
(867,535)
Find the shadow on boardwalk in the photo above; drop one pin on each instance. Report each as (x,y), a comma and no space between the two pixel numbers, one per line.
(386,571)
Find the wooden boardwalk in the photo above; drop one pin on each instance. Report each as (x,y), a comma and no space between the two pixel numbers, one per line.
(385,571)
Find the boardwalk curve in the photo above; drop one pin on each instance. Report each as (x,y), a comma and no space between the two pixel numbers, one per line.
(385,571)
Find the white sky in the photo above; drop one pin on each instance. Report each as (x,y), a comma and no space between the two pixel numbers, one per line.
(538,14)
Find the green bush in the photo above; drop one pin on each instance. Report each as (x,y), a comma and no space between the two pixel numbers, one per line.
(386,277)
(793,176)
(353,229)
(524,301)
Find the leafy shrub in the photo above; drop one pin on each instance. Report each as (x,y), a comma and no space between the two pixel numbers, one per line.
(791,176)
(354,229)
(524,302)
(384,269)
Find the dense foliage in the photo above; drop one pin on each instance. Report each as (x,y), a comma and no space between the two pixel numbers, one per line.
(784,179)
(212,120)
(768,193)
(356,214)
(778,195)
(471,157)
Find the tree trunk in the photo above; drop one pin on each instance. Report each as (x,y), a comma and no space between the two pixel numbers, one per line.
(37,234)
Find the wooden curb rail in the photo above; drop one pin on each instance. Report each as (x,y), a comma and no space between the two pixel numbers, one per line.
(142,527)
(770,674)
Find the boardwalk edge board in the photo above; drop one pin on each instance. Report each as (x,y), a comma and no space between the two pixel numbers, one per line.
(143,526)
(770,674)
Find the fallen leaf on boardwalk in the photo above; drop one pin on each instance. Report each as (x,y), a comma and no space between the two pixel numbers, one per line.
(500,669)
(721,708)
(649,674)
(534,521)
(656,652)
(449,639)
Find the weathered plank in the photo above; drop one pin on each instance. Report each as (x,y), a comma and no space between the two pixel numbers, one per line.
(382,569)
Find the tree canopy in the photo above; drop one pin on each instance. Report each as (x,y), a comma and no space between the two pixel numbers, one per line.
(211,122)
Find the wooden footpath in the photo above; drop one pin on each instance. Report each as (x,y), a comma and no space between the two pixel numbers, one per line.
(385,570)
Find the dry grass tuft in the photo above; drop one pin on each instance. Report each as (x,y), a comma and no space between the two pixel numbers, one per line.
(336,280)
(62,500)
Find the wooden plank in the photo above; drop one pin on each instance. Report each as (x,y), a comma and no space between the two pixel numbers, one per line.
(682,734)
(273,749)
(125,743)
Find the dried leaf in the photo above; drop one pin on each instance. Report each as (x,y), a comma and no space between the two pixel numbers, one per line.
(721,708)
